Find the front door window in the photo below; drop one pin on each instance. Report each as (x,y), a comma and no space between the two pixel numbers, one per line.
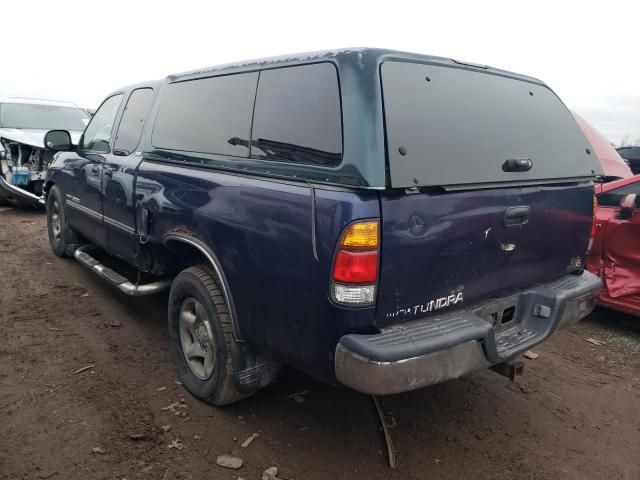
(97,136)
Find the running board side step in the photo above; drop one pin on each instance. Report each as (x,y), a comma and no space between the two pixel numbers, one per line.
(115,278)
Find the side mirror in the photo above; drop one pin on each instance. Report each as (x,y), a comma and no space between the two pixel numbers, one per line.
(627,206)
(58,140)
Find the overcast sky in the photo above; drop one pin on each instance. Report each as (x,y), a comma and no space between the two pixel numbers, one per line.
(81,50)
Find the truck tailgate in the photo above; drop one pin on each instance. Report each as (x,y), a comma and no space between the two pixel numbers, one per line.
(452,249)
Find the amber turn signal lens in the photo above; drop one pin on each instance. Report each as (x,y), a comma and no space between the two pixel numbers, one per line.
(361,234)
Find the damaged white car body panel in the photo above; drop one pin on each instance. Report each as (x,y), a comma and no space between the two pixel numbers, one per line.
(34,138)
(23,156)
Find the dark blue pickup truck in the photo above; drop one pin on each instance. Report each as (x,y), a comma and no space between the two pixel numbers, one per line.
(378,219)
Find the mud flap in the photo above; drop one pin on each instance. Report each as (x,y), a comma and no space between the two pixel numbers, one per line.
(254,370)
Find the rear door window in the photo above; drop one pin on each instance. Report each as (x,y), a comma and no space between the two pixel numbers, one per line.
(207,115)
(133,119)
(298,115)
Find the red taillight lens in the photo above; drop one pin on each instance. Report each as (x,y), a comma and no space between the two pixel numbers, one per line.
(356,267)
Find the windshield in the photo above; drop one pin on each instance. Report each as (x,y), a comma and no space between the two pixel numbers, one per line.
(42,117)
(451,127)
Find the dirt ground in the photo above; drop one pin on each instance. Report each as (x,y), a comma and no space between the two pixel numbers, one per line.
(575,414)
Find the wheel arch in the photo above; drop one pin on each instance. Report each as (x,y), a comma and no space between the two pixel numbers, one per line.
(174,239)
(46,188)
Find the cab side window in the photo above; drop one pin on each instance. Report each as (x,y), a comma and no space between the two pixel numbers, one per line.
(207,115)
(133,118)
(298,116)
(612,199)
(97,136)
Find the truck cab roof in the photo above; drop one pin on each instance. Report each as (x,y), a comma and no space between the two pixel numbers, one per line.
(154,84)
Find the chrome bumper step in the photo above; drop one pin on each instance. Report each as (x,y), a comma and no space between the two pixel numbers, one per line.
(115,278)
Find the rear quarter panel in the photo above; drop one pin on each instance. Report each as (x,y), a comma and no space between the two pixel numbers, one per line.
(261,232)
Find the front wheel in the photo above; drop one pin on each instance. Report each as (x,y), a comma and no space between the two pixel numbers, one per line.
(62,239)
(201,337)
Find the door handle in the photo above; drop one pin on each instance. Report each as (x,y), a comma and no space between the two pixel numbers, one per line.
(517,165)
(95,170)
(515,216)
(107,172)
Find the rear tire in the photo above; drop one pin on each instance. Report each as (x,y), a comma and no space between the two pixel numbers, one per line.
(62,239)
(200,325)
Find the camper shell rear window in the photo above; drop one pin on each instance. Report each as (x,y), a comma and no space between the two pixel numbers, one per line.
(452,126)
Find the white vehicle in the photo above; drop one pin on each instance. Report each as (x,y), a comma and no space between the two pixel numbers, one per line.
(23,157)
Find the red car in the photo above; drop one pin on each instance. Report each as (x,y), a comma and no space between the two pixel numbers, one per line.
(612,163)
(615,253)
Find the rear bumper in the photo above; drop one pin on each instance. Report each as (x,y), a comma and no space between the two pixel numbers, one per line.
(427,351)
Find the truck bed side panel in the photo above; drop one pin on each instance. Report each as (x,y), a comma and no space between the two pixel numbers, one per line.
(261,232)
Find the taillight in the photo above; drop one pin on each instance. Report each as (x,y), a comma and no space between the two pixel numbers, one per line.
(356,267)
(354,276)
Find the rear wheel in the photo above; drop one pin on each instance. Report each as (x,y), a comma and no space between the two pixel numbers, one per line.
(62,239)
(201,337)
